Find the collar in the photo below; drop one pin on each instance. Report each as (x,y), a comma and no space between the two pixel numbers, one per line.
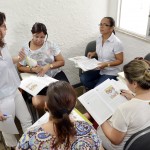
(110,39)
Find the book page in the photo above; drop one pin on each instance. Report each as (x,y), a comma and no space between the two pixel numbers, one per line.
(88,64)
(8,126)
(34,84)
(85,63)
(98,109)
(110,93)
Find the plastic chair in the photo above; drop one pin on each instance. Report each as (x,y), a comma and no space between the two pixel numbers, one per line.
(147,57)
(139,140)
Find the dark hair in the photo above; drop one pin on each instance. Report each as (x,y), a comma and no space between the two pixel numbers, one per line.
(139,71)
(61,99)
(39,27)
(2,19)
(112,22)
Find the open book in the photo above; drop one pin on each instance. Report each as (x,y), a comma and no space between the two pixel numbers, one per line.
(85,63)
(102,101)
(34,84)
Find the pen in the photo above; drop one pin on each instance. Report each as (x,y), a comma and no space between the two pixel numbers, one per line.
(7,116)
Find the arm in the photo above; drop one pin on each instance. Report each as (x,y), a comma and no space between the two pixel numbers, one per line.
(115,136)
(118,61)
(20,57)
(59,61)
(27,69)
(127,94)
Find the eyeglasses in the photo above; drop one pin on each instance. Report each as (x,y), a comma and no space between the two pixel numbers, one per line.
(104,25)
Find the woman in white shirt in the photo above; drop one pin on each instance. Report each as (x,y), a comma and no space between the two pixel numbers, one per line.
(133,115)
(109,51)
(11,100)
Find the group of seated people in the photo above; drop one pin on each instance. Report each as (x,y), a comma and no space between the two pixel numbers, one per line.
(61,132)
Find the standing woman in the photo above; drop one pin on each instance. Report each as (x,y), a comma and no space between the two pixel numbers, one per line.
(109,51)
(11,100)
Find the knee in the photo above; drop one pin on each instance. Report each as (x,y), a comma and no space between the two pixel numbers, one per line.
(82,78)
(38,101)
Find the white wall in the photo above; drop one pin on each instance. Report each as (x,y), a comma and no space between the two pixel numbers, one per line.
(70,23)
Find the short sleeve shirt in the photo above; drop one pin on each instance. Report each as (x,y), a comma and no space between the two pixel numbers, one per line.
(85,138)
(131,117)
(107,52)
(9,77)
(44,55)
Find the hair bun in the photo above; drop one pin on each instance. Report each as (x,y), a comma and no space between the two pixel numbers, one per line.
(147,74)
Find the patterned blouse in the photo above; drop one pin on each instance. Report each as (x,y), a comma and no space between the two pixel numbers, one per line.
(37,139)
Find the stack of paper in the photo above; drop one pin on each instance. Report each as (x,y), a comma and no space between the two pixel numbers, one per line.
(85,63)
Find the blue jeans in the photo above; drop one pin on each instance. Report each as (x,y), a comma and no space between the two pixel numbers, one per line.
(92,78)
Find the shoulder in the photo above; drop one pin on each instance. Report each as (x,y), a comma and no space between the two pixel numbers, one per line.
(86,136)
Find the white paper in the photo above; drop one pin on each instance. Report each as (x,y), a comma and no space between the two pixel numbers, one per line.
(85,63)
(34,84)
(8,126)
(103,100)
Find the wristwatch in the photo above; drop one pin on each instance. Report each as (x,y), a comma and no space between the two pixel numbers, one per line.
(51,66)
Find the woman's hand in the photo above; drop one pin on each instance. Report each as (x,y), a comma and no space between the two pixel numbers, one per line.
(44,70)
(127,94)
(37,69)
(101,66)
(21,55)
(91,54)
(2,117)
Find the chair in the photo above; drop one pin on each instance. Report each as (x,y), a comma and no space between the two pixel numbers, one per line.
(147,57)
(91,47)
(139,140)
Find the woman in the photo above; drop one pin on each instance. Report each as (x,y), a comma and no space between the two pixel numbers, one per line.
(48,56)
(133,115)
(11,100)
(109,51)
(60,132)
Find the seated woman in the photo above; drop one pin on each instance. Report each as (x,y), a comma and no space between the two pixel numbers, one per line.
(60,132)
(133,115)
(109,51)
(47,54)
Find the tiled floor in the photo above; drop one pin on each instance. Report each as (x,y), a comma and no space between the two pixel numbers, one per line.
(79,92)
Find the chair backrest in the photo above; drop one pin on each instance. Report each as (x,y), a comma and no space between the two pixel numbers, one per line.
(147,57)
(139,140)
(91,47)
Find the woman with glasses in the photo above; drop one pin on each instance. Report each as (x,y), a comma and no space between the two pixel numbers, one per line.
(11,101)
(109,51)
(48,56)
